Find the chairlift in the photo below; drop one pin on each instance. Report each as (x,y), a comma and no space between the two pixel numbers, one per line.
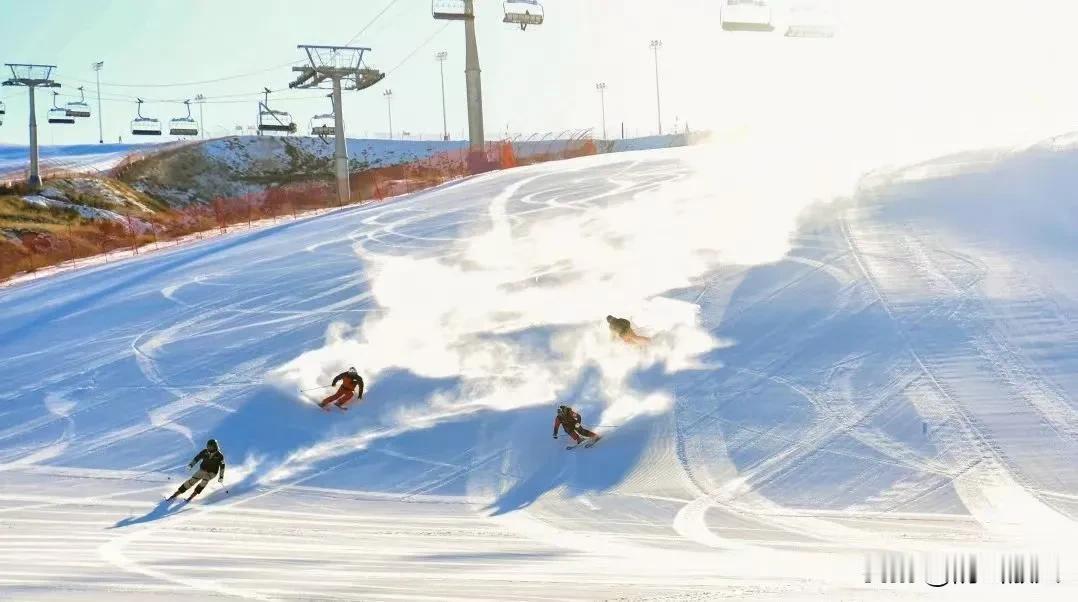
(3,110)
(270,120)
(145,126)
(746,15)
(523,13)
(452,10)
(183,126)
(59,114)
(78,108)
(324,125)
(812,19)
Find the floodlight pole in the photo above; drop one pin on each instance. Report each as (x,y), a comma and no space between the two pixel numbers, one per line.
(655,46)
(100,118)
(201,101)
(30,82)
(389,107)
(601,87)
(441,56)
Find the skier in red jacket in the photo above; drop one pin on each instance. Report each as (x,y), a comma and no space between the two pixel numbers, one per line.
(351,384)
(569,419)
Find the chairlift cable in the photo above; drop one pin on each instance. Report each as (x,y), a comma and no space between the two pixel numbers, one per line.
(372,21)
(419,47)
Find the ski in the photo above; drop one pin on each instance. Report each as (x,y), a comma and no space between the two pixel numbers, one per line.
(593,441)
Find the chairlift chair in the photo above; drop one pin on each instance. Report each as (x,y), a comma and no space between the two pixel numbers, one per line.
(812,19)
(324,125)
(183,126)
(452,10)
(78,108)
(3,110)
(523,13)
(746,15)
(145,126)
(59,114)
(270,120)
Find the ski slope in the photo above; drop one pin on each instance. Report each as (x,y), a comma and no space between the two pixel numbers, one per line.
(73,158)
(897,371)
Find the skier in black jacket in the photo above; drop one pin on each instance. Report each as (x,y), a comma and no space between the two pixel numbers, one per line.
(212,465)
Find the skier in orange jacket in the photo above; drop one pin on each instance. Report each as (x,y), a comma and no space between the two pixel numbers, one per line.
(351,384)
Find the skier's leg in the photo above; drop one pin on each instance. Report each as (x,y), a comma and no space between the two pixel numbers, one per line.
(198,489)
(333,398)
(585,432)
(184,487)
(345,399)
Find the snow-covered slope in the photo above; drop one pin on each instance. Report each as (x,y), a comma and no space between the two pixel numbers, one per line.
(74,157)
(892,372)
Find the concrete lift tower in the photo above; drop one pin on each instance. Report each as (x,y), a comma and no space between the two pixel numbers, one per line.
(343,67)
(463,10)
(32,76)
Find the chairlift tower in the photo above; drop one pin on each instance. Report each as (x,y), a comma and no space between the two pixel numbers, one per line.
(343,67)
(471,69)
(32,77)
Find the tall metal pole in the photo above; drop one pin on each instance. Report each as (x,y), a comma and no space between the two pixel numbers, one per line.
(35,177)
(655,46)
(441,70)
(201,126)
(340,154)
(389,106)
(473,81)
(100,117)
(601,87)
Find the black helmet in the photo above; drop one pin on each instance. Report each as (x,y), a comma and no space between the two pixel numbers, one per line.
(212,443)
(562,409)
(352,369)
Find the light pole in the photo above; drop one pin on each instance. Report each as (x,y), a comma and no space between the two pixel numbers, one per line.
(441,56)
(473,82)
(100,119)
(201,101)
(655,46)
(389,107)
(601,87)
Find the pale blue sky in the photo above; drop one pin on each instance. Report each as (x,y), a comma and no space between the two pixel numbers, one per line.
(901,71)
(542,79)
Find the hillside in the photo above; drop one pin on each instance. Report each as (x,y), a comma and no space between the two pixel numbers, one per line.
(238,165)
(893,371)
(97,199)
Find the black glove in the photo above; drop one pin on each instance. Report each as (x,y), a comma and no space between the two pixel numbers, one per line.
(191,465)
(555,435)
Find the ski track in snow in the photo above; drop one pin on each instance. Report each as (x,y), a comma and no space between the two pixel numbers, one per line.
(892,383)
